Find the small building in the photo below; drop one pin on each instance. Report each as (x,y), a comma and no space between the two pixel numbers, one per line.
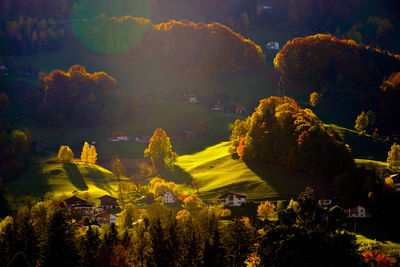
(191,98)
(108,202)
(168,197)
(119,136)
(218,106)
(265,6)
(73,201)
(144,139)
(105,218)
(187,135)
(272,46)
(396,181)
(357,212)
(28,71)
(325,202)
(232,199)
(240,109)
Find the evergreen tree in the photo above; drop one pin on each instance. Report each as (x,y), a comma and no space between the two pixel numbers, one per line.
(59,248)
(27,238)
(19,260)
(361,122)
(85,155)
(89,246)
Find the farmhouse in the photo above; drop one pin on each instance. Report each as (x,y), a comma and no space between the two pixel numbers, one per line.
(232,199)
(396,181)
(108,202)
(357,212)
(218,106)
(187,135)
(73,201)
(168,197)
(119,136)
(105,218)
(83,209)
(240,109)
(324,202)
(191,98)
(272,46)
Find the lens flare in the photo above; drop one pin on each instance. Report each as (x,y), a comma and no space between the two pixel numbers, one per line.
(110,27)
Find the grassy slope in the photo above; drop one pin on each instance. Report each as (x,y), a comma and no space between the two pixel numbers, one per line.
(216,173)
(45,175)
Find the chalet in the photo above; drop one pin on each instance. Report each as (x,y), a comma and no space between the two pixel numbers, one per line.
(218,106)
(144,139)
(240,109)
(272,46)
(108,202)
(73,201)
(232,199)
(105,218)
(186,135)
(325,202)
(396,181)
(191,98)
(168,197)
(357,212)
(119,136)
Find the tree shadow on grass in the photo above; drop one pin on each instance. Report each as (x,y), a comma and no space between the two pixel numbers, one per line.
(75,176)
(98,178)
(177,174)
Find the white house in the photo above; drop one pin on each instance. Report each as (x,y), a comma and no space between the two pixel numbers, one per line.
(168,197)
(357,212)
(105,218)
(396,181)
(232,199)
(324,202)
(118,136)
(84,208)
(272,46)
(191,98)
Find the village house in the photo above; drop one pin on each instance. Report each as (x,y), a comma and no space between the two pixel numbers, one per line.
(232,199)
(84,209)
(73,201)
(396,181)
(272,46)
(357,212)
(187,135)
(119,136)
(108,202)
(218,106)
(105,218)
(191,98)
(324,202)
(240,109)
(265,6)
(168,197)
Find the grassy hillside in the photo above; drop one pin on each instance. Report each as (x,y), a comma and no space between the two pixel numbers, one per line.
(44,175)
(215,173)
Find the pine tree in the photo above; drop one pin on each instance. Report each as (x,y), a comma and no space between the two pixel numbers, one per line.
(85,153)
(92,154)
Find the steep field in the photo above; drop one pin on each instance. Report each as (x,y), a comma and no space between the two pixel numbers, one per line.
(215,173)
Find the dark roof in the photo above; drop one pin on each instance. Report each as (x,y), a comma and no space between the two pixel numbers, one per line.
(84,205)
(107,197)
(229,193)
(74,200)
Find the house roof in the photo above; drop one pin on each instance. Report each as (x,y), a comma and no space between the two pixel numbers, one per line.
(232,193)
(74,200)
(107,197)
(118,133)
(240,107)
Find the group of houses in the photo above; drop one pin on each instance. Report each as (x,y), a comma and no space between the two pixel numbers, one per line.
(26,72)
(121,136)
(81,207)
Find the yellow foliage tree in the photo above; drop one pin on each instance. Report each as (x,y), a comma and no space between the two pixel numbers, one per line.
(65,154)
(92,155)
(266,211)
(160,151)
(85,153)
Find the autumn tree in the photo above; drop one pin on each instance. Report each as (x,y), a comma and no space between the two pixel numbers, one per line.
(128,216)
(361,122)
(315,98)
(92,154)
(160,151)
(65,154)
(117,168)
(266,210)
(394,157)
(85,155)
